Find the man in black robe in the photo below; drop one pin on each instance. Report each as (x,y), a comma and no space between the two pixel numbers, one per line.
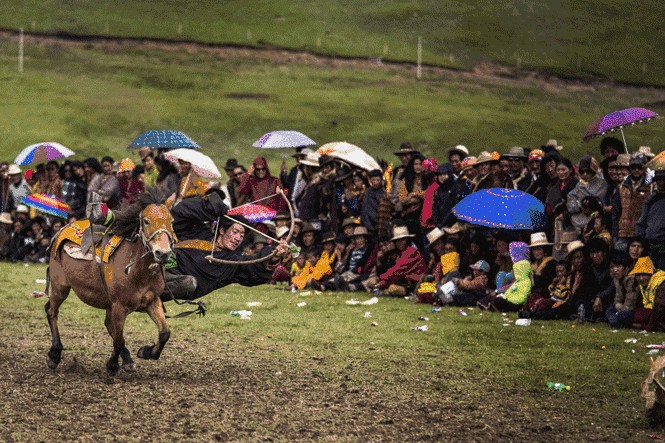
(190,276)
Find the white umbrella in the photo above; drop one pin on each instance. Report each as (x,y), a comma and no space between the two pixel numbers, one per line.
(283,139)
(201,163)
(349,153)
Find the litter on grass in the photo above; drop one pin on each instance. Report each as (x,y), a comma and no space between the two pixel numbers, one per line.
(243,314)
(630,340)
(368,314)
(371,301)
(523,322)
(422,328)
(252,304)
(462,312)
(301,304)
(41,281)
(37,294)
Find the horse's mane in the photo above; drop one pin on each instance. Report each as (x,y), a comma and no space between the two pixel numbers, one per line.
(127,218)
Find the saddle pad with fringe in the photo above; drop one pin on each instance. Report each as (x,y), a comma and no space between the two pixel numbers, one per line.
(74,233)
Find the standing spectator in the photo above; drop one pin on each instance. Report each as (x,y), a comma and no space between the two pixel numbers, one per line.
(589,184)
(52,185)
(150,169)
(349,196)
(191,185)
(455,157)
(440,198)
(229,168)
(467,174)
(610,146)
(404,154)
(168,179)
(485,178)
(519,174)
(74,190)
(6,202)
(133,185)
(291,178)
(604,287)
(109,188)
(411,195)
(617,171)
(309,202)
(555,203)
(93,176)
(547,176)
(651,224)
(258,183)
(628,202)
(18,187)
(371,200)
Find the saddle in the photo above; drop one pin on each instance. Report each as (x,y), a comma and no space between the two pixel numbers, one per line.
(77,239)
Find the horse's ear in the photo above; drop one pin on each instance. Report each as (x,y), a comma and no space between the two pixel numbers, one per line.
(170,201)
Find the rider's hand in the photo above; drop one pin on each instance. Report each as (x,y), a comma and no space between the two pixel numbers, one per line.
(283,249)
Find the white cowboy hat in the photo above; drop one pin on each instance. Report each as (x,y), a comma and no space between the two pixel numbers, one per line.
(13,169)
(311,159)
(539,239)
(573,246)
(434,235)
(22,209)
(401,232)
(6,218)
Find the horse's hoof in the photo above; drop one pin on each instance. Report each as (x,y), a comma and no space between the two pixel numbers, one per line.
(52,364)
(145,352)
(112,368)
(128,367)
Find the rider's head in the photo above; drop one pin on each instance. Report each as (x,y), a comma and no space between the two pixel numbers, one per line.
(231,235)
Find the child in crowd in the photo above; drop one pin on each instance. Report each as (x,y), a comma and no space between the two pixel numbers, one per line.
(473,287)
(303,272)
(517,293)
(620,314)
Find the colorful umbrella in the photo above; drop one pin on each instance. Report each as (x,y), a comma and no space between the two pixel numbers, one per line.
(618,120)
(254,213)
(283,139)
(164,139)
(42,152)
(657,163)
(47,204)
(201,163)
(501,208)
(349,153)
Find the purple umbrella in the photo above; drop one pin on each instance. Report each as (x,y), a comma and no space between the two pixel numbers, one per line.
(618,120)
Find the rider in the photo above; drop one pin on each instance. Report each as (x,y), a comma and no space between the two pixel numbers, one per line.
(189,275)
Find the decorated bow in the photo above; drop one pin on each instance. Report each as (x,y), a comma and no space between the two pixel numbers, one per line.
(295,250)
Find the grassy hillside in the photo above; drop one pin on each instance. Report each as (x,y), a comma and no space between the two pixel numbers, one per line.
(616,40)
(97,100)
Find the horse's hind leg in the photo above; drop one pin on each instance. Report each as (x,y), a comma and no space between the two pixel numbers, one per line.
(57,295)
(116,328)
(127,362)
(156,313)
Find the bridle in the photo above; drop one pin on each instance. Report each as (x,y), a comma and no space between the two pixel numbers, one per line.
(140,233)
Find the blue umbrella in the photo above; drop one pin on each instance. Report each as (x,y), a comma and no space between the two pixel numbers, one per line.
(502,208)
(164,139)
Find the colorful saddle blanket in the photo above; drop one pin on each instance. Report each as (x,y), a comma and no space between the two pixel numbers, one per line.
(74,233)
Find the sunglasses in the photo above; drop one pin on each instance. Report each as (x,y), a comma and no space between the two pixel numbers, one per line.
(238,174)
(586,171)
(637,167)
(259,169)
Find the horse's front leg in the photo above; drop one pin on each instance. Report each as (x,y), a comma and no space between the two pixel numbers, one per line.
(116,329)
(125,355)
(156,312)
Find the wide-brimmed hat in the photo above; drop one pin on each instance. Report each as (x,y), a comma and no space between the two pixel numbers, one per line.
(22,209)
(539,239)
(551,145)
(302,153)
(646,150)
(455,229)
(515,152)
(328,237)
(281,231)
(638,159)
(360,230)
(434,235)
(644,265)
(308,227)
(6,218)
(405,148)
(568,237)
(484,157)
(459,149)
(126,165)
(282,215)
(311,159)
(536,155)
(231,164)
(574,246)
(350,221)
(481,265)
(144,151)
(401,232)
(469,163)
(622,161)
(14,169)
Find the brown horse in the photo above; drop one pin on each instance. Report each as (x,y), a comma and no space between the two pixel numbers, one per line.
(131,280)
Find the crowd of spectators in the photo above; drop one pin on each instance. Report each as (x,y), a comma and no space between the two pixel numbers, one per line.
(600,256)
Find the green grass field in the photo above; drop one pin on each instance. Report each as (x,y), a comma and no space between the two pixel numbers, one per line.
(95,100)
(475,377)
(616,40)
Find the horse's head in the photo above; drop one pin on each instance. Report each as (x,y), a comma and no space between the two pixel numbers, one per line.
(157,231)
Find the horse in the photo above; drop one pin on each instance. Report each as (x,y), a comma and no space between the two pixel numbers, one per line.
(132,280)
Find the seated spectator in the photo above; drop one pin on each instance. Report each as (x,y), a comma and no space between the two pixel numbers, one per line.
(620,314)
(472,288)
(357,266)
(301,277)
(401,279)
(542,268)
(435,240)
(6,224)
(558,293)
(648,279)
(590,184)
(515,297)
(601,229)
(386,258)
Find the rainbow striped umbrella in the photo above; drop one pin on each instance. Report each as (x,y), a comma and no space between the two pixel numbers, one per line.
(42,152)
(47,204)
(254,213)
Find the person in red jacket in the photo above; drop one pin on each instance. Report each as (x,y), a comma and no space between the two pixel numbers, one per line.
(402,278)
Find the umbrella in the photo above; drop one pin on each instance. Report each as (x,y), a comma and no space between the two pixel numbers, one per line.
(657,163)
(254,213)
(283,139)
(618,120)
(349,153)
(48,204)
(42,152)
(501,208)
(201,163)
(164,139)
